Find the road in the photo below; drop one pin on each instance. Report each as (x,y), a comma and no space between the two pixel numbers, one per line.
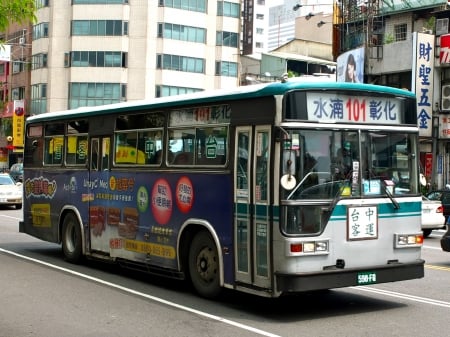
(42,295)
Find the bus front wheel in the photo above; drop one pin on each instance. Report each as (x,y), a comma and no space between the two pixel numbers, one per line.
(71,239)
(204,265)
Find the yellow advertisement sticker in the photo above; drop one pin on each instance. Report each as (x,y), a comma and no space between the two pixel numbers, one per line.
(41,215)
(154,249)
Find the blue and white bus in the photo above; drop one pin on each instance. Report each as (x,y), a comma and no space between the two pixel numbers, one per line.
(270,190)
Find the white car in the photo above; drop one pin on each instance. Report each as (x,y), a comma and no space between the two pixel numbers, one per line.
(10,191)
(432,215)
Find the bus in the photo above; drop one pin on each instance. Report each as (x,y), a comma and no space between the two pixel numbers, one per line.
(271,189)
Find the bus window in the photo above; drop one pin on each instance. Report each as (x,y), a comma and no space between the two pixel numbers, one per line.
(105,153)
(138,147)
(54,144)
(182,146)
(76,152)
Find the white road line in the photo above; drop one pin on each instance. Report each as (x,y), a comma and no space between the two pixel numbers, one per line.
(153,298)
(11,217)
(403,296)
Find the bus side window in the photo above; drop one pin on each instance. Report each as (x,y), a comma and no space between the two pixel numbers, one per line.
(94,154)
(54,150)
(105,153)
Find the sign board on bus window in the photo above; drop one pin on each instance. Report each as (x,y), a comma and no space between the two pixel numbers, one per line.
(328,107)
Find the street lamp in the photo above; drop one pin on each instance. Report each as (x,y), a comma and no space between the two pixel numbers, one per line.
(309,16)
(296,7)
(321,23)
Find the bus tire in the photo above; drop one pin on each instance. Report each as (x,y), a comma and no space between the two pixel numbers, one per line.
(71,239)
(204,265)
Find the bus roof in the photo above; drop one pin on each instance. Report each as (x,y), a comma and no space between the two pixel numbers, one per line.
(212,96)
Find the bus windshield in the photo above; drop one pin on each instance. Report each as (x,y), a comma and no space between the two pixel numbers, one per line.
(345,163)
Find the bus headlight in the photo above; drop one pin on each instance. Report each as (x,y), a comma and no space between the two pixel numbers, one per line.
(408,240)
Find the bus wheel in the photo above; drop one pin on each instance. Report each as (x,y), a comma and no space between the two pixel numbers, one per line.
(71,238)
(204,265)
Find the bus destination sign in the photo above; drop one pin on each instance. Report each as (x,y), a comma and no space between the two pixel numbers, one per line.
(324,107)
(205,115)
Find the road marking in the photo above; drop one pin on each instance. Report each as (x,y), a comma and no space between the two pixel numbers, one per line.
(403,296)
(153,298)
(11,217)
(430,266)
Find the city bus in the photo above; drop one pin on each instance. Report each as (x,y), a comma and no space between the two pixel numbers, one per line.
(271,189)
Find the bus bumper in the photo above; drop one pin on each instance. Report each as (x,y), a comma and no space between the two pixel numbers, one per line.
(339,278)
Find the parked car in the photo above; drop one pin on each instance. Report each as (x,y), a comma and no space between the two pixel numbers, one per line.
(444,197)
(16,171)
(432,215)
(10,191)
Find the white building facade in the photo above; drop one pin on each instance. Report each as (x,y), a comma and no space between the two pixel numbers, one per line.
(94,52)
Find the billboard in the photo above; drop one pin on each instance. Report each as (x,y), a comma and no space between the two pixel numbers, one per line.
(422,80)
(350,66)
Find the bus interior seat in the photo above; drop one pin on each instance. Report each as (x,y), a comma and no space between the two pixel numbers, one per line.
(183,158)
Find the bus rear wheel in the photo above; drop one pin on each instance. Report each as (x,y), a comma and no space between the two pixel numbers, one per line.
(71,239)
(204,265)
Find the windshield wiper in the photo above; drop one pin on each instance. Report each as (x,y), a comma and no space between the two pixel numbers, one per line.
(390,196)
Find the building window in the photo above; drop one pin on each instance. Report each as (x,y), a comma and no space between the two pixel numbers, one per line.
(2,68)
(18,93)
(93,94)
(41,3)
(180,63)
(188,5)
(182,33)
(39,61)
(18,66)
(227,39)
(259,16)
(231,9)
(224,68)
(38,98)
(167,90)
(40,30)
(400,32)
(99,27)
(97,59)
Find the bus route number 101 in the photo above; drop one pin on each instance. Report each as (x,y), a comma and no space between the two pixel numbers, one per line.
(356,110)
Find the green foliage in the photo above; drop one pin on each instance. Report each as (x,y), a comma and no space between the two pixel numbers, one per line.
(20,11)
(388,38)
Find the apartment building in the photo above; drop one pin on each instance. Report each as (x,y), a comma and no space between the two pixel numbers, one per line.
(93,52)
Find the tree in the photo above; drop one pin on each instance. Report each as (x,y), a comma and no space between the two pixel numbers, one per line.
(19,11)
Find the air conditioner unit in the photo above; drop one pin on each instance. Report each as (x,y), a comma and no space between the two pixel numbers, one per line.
(22,40)
(445,97)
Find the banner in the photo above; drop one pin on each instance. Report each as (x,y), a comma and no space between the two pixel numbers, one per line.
(422,80)
(5,52)
(18,123)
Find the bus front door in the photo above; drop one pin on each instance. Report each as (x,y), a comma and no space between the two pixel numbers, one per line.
(252,230)
(98,177)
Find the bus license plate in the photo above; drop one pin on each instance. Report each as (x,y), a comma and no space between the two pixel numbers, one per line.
(367,277)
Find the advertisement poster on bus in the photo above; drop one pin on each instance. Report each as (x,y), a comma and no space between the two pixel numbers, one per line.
(350,66)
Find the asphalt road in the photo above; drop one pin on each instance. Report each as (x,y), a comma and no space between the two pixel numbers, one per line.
(43,296)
